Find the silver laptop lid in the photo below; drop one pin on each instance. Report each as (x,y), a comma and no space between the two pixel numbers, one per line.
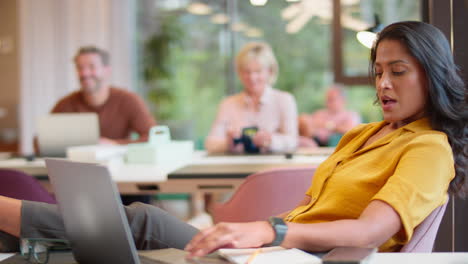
(57,132)
(93,214)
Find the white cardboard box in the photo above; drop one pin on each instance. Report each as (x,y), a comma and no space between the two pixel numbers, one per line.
(164,153)
(96,153)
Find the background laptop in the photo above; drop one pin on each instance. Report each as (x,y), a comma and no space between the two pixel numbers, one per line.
(95,222)
(57,132)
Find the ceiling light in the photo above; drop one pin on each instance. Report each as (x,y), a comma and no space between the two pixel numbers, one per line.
(349,2)
(220,18)
(301,12)
(258,2)
(368,36)
(199,9)
(290,12)
(352,23)
(239,26)
(254,32)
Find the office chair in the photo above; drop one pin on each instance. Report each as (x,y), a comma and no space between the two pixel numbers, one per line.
(425,233)
(275,191)
(265,194)
(19,185)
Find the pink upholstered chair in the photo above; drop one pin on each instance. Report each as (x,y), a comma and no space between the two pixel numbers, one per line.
(265,194)
(272,192)
(19,185)
(425,233)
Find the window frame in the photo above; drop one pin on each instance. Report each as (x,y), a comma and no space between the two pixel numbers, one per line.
(337,51)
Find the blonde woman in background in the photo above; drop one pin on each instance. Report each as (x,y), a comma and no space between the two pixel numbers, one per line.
(273,113)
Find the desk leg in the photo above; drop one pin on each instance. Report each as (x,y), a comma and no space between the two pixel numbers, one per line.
(197,203)
(200,218)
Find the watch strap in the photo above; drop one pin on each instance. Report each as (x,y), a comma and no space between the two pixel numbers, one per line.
(280,228)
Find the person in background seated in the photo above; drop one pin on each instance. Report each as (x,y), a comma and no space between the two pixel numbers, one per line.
(120,112)
(326,126)
(382,181)
(260,118)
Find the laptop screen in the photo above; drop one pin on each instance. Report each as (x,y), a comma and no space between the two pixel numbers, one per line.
(92,211)
(57,132)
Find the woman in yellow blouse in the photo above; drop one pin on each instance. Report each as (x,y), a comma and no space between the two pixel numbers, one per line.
(384,178)
(382,181)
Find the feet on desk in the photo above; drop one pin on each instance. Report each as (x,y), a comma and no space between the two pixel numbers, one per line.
(8,243)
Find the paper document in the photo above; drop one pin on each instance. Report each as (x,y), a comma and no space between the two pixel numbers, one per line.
(270,255)
(4,256)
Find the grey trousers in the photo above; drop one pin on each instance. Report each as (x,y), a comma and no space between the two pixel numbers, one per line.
(151,227)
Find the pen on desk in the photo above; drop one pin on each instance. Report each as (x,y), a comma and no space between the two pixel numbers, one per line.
(253,256)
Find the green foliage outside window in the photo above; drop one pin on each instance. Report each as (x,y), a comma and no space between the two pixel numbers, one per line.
(187,63)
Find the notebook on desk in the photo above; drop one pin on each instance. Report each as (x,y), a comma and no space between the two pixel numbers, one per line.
(57,132)
(270,255)
(94,218)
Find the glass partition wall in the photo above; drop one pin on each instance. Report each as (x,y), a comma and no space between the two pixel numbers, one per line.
(186,50)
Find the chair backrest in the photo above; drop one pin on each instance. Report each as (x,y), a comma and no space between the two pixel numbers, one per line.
(425,233)
(19,185)
(265,194)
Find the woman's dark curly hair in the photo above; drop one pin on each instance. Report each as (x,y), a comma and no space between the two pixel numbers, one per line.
(448,97)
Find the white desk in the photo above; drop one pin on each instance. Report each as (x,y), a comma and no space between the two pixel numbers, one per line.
(417,258)
(218,174)
(4,256)
(203,173)
(239,166)
(131,179)
(35,168)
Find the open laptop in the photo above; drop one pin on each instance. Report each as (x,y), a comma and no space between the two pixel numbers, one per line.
(93,214)
(57,132)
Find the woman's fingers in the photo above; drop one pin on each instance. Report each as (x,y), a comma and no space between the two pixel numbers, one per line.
(230,235)
(211,239)
(198,237)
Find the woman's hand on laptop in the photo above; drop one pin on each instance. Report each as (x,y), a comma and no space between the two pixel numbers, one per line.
(230,235)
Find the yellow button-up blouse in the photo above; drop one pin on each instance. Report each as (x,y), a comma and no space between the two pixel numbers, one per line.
(410,169)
